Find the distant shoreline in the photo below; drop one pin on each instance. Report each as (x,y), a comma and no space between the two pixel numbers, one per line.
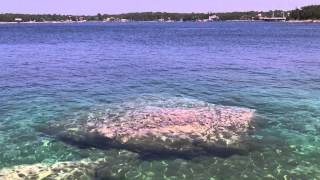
(80,22)
(306,14)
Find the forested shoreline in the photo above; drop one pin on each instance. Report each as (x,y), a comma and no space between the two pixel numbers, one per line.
(305,13)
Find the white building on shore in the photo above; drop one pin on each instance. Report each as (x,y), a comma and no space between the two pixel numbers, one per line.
(18,20)
(213,18)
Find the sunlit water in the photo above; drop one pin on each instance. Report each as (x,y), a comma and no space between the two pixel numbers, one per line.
(63,72)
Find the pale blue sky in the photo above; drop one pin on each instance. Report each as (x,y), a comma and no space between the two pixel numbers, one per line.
(119,6)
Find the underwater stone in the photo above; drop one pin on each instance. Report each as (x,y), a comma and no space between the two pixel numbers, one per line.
(172,131)
(83,170)
(60,170)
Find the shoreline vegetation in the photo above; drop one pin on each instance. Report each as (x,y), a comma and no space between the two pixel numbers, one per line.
(307,14)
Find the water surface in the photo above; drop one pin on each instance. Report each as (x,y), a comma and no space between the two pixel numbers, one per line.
(60,72)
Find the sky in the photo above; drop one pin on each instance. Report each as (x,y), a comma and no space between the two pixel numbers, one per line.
(92,7)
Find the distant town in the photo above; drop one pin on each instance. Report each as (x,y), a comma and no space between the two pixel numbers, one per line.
(304,14)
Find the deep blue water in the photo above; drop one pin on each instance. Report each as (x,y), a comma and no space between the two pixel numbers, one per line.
(66,71)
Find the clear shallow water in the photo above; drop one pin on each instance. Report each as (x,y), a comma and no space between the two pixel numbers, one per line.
(69,71)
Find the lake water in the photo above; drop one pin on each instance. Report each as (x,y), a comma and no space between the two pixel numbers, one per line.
(61,72)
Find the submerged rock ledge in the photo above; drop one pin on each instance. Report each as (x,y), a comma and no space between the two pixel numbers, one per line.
(152,130)
(111,168)
(61,170)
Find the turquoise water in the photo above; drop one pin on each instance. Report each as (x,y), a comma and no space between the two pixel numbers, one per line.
(70,72)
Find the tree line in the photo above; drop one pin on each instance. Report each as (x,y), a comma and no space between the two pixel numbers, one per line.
(307,12)
(145,16)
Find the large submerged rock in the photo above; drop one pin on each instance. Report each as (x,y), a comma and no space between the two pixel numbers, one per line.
(167,130)
(178,130)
